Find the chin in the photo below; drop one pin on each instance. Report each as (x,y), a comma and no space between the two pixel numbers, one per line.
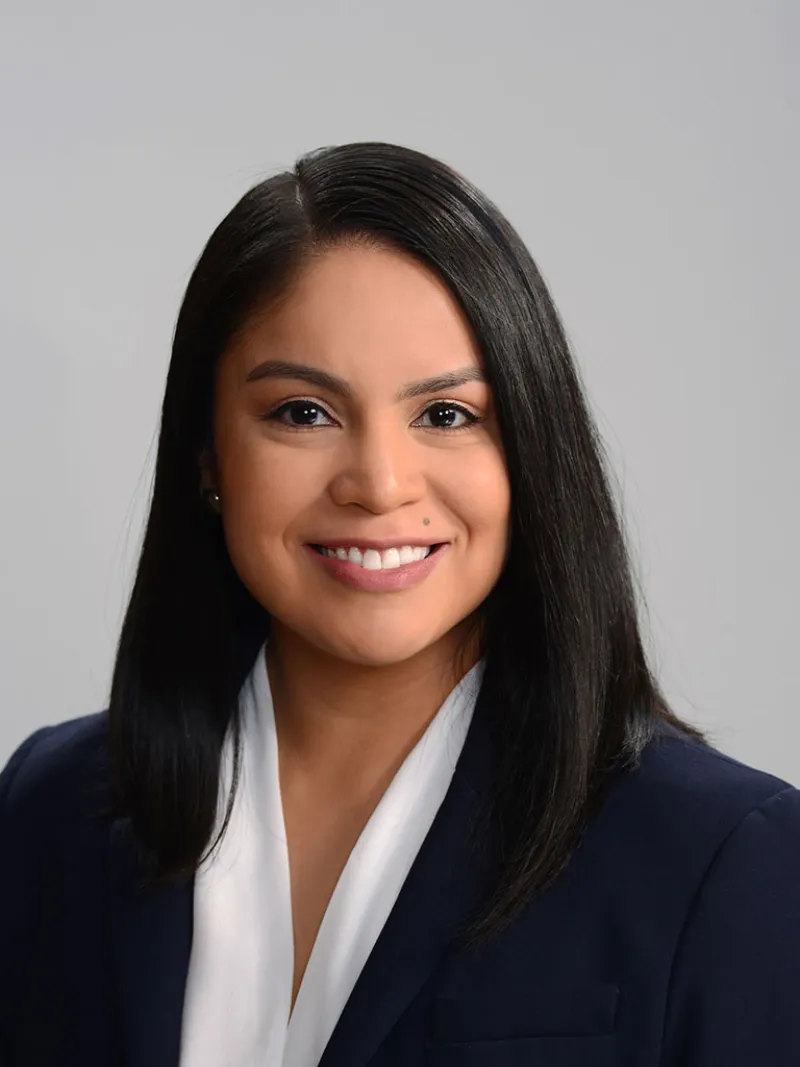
(373,648)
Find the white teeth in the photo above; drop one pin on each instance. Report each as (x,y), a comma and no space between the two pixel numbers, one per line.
(372,560)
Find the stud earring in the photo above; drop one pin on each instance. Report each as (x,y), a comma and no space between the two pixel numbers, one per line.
(212,499)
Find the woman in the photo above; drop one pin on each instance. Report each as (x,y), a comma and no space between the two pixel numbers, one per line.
(385,778)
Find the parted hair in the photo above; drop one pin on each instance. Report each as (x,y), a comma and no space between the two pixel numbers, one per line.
(571,698)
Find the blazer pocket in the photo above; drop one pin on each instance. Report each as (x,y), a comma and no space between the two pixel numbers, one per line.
(525,1011)
(597,1051)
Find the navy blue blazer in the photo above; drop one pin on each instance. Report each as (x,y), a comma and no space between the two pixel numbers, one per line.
(672,940)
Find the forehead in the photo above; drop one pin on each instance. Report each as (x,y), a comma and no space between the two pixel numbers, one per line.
(360,310)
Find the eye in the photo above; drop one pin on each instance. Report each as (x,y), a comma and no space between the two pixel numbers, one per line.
(301,415)
(446,415)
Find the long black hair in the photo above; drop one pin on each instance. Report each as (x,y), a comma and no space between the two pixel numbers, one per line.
(565,664)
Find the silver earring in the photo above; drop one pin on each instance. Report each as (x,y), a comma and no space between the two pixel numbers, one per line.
(212,496)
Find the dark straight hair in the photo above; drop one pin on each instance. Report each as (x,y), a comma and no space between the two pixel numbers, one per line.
(571,697)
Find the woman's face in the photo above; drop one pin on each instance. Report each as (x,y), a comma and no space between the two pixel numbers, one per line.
(363,487)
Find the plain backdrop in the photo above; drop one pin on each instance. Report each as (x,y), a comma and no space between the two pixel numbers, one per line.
(648,155)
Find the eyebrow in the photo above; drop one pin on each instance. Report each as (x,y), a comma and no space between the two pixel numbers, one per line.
(276,368)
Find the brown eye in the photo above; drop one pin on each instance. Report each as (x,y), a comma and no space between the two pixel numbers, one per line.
(445,415)
(301,414)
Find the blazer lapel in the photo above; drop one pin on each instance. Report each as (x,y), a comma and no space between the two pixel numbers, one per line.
(151,939)
(442,888)
(151,931)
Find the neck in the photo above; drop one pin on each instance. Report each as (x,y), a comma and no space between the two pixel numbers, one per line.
(346,726)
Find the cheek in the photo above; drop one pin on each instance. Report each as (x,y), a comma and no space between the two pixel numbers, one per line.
(481,493)
(265,481)
(265,493)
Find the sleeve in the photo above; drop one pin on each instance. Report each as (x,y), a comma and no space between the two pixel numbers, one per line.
(8,776)
(734,996)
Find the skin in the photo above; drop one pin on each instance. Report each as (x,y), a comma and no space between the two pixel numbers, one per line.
(356,676)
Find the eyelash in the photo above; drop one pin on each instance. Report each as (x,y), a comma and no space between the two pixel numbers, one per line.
(276,413)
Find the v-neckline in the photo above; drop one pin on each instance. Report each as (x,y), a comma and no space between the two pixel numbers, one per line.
(240,979)
(380,836)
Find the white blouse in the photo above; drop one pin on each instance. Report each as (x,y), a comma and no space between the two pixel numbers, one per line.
(239,987)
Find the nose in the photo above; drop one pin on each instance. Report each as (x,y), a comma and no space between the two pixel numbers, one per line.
(379,469)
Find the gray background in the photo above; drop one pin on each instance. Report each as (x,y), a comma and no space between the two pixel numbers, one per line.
(648,155)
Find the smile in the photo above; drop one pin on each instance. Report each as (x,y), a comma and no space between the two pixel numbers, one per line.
(385,569)
(372,559)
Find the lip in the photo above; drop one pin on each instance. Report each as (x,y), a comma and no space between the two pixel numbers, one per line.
(392,580)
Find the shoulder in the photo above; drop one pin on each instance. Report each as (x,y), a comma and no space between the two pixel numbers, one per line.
(695,857)
(688,794)
(669,825)
(54,838)
(726,839)
(674,754)
(57,769)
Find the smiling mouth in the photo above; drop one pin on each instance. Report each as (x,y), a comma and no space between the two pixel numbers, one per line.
(371,559)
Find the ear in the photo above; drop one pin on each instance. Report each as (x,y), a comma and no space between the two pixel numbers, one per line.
(207,465)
